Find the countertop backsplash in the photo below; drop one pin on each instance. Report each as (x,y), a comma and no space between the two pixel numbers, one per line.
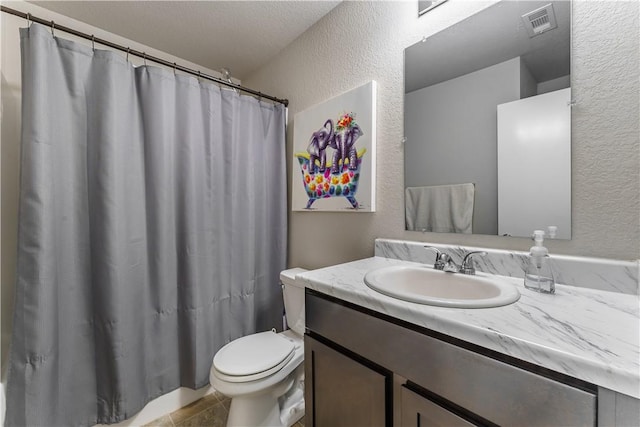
(594,273)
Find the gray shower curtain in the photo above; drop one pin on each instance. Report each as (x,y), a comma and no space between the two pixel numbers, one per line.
(152,232)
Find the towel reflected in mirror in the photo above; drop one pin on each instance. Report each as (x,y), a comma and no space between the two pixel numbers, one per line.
(440,208)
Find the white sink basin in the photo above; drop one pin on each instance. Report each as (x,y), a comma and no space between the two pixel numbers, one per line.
(425,285)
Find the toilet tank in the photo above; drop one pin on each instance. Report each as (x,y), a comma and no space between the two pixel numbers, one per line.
(293,293)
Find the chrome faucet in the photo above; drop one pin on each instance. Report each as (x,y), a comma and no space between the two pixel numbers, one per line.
(468,266)
(445,263)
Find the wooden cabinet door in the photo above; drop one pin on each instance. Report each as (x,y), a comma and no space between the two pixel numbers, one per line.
(418,411)
(342,392)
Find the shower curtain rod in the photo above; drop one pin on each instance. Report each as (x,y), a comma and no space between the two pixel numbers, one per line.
(139,54)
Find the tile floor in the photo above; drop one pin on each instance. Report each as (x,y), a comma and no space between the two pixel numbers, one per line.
(209,411)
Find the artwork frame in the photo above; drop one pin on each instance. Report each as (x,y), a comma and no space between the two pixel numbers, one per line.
(334,154)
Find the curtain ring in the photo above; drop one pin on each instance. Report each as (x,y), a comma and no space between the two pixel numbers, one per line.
(174,68)
(128,49)
(144,57)
(53,27)
(93,42)
(28,20)
(199,72)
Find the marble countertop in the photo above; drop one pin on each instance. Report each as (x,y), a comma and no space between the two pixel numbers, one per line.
(588,334)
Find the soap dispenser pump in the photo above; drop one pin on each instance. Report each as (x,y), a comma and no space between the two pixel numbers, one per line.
(538,276)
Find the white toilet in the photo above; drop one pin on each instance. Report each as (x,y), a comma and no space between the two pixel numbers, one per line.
(263,373)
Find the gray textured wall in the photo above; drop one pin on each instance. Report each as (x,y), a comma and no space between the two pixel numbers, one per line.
(452,135)
(358,42)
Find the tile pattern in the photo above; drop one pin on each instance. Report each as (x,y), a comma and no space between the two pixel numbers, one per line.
(210,411)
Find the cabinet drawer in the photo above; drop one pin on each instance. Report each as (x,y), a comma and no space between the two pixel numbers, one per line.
(496,391)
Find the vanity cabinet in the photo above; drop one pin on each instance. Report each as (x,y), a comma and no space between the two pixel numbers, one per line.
(420,377)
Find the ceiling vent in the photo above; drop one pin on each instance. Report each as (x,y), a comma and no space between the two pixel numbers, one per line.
(540,20)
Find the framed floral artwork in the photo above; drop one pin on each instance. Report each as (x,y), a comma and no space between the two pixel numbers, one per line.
(334,154)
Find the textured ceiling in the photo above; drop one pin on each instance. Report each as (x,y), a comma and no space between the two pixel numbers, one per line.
(239,35)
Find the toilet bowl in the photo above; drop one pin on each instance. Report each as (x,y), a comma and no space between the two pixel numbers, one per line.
(263,373)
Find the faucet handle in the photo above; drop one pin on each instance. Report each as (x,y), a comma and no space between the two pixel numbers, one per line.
(441,258)
(468,266)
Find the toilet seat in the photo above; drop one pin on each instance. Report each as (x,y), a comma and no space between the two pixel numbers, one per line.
(253,357)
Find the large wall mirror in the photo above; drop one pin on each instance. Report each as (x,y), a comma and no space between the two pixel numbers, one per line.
(488,123)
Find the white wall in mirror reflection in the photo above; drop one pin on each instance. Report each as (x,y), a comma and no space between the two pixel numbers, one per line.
(534,164)
(454,82)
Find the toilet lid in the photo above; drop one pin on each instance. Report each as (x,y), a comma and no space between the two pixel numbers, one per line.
(253,355)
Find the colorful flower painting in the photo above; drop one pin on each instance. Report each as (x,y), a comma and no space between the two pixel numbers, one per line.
(334,154)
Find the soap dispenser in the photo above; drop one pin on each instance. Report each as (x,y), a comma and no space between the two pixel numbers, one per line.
(538,276)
